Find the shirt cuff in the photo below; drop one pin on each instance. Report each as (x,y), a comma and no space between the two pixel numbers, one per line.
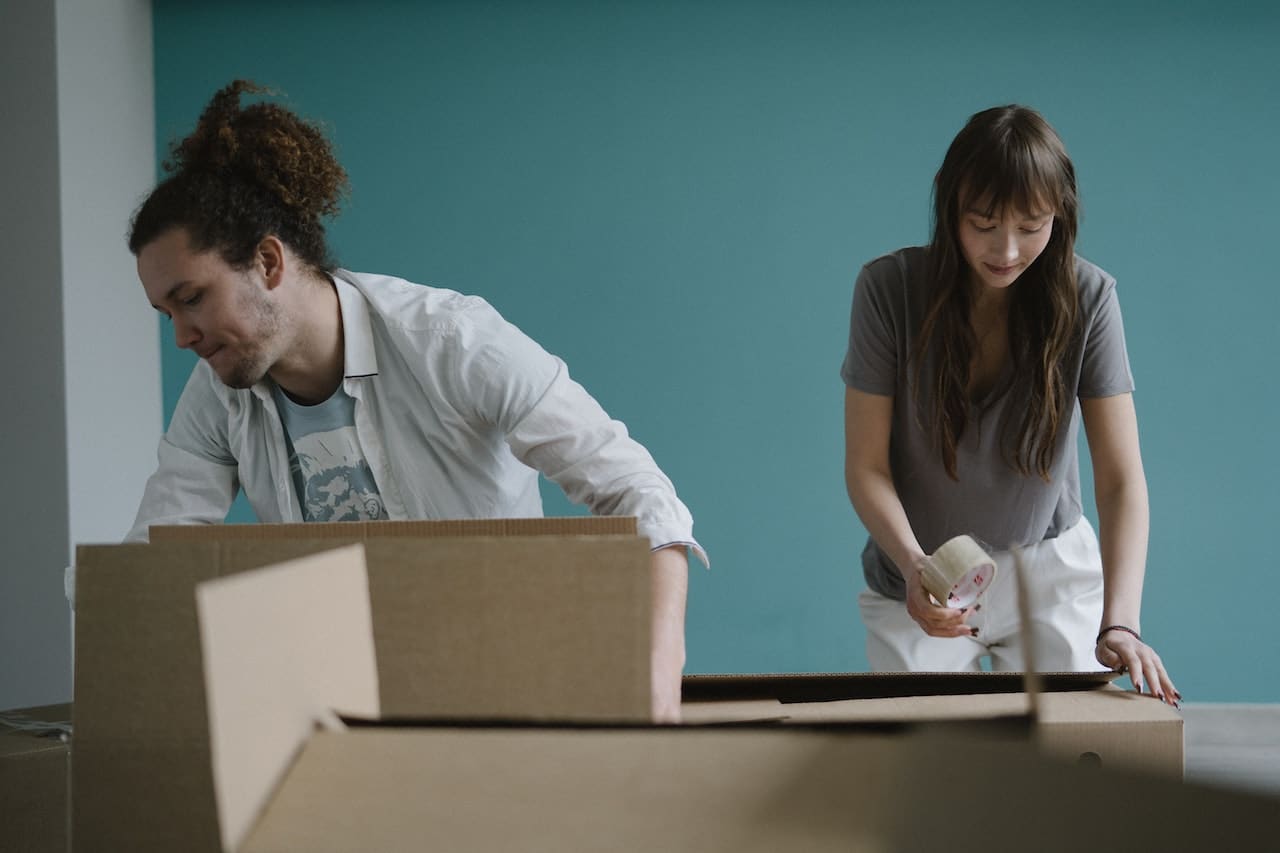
(691,545)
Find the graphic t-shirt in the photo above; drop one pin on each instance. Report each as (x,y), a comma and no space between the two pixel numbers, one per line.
(332,476)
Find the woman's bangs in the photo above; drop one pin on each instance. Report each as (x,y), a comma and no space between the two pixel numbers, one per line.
(1014,178)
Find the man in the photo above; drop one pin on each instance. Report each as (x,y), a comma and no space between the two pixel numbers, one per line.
(330,395)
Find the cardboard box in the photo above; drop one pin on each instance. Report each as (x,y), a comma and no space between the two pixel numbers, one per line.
(541,626)
(868,785)
(145,751)
(34,777)
(1079,716)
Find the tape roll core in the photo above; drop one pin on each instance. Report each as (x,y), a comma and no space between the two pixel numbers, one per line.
(958,572)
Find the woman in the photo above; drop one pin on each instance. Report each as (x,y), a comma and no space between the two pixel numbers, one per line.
(329,395)
(966,361)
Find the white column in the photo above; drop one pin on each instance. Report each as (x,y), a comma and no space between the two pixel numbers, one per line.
(81,411)
(106,142)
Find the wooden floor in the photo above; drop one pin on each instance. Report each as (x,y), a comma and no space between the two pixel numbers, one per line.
(1233,745)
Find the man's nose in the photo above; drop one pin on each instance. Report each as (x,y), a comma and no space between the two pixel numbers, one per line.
(185,334)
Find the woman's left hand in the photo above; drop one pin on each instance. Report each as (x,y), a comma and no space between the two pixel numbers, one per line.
(1126,653)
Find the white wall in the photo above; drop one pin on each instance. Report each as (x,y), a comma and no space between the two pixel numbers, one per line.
(81,411)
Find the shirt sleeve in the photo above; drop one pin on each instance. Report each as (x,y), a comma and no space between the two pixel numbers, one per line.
(871,361)
(1104,371)
(196,478)
(553,425)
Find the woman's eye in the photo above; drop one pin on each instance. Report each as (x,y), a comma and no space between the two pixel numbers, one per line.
(194,300)
(983,229)
(1035,230)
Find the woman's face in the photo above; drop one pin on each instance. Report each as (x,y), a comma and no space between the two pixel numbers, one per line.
(999,247)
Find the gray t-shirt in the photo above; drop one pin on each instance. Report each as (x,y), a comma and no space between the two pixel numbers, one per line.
(991,501)
(330,472)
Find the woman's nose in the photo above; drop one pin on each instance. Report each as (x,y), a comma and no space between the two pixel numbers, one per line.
(1007,245)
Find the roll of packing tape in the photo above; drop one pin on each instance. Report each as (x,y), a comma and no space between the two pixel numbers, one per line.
(958,572)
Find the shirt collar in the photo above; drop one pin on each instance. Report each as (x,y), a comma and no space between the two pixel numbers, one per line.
(359,358)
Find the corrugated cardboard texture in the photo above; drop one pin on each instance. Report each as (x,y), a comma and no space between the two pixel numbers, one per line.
(1113,728)
(742,790)
(361,530)
(490,636)
(33,783)
(1086,719)
(143,780)
(548,791)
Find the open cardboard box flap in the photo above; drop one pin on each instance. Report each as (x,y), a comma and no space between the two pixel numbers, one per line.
(284,647)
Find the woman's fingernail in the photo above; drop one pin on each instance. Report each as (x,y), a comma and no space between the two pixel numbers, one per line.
(964,610)
(1177,695)
(974,633)
(977,607)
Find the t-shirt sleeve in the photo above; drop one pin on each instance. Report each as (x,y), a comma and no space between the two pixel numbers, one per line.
(871,362)
(1105,371)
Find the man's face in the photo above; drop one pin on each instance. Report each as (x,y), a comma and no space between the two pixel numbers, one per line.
(224,315)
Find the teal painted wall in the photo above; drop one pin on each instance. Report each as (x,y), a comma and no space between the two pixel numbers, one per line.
(675,197)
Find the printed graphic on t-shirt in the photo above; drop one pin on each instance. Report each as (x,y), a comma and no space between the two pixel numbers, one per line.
(337,482)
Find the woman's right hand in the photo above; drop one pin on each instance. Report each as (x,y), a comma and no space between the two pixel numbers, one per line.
(934,619)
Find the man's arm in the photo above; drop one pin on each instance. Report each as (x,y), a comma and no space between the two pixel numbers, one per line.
(552,424)
(196,477)
(185,489)
(670,591)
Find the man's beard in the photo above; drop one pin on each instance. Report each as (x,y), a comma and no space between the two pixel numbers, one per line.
(245,373)
(250,367)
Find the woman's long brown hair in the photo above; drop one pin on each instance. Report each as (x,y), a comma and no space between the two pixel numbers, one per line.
(1005,158)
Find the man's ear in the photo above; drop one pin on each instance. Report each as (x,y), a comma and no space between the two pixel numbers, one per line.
(272,260)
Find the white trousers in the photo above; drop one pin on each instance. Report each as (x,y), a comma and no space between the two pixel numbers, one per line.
(1064,582)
